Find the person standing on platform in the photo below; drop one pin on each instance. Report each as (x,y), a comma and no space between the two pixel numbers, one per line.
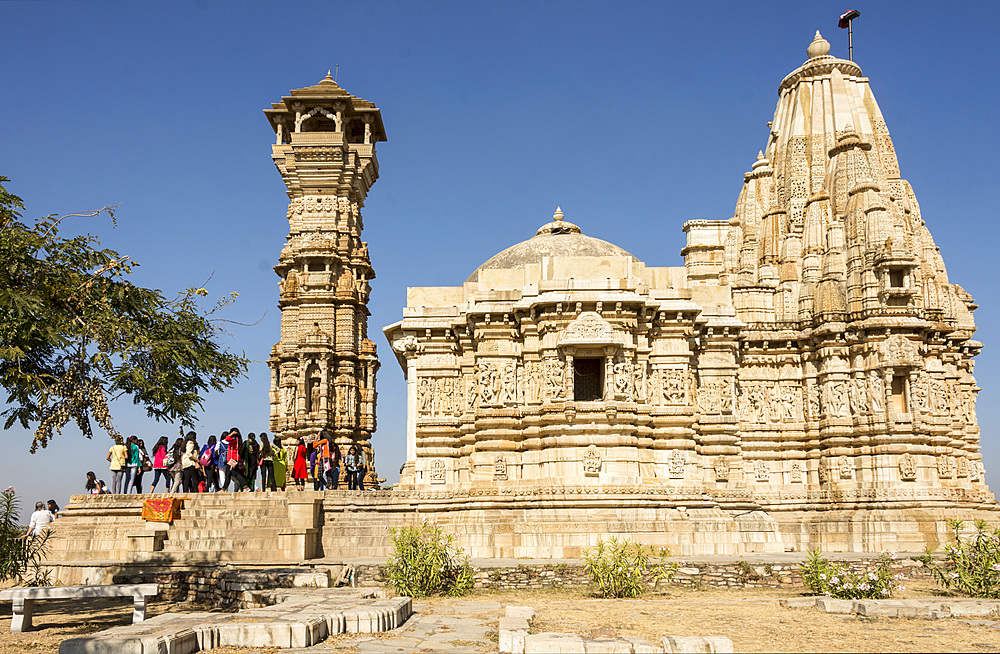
(118,456)
(132,463)
(144,465)
(316,467)
(189,463)
(280,463)
(222,462)
(266,464)
(175,464)
(236,465)
(351,466)
(300,467)
(251,453)
(160,467)
(333,471)
(207,459)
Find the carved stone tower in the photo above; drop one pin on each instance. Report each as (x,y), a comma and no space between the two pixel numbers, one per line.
(323,369)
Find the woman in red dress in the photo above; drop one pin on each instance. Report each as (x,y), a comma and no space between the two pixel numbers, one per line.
(300,469)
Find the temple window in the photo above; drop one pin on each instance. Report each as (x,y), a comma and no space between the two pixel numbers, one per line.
(899,394)
(588,379)
(897,278)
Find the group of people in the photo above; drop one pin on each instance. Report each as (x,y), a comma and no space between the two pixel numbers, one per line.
(230,460)
(45,514)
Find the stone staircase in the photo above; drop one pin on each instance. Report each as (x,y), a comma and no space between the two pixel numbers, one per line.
(96,534)
(226,527)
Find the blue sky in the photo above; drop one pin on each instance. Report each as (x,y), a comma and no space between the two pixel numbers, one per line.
(633,116)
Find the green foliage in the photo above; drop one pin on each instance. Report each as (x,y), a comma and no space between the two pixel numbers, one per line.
(836,580)
(746,573)
(20,558)
(621,568)
(75,333)
(426,561)
(972,564)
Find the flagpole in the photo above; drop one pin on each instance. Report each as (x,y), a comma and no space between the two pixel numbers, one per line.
(847,20)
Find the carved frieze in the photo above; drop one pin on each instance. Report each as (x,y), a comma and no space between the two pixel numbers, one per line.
(675,464)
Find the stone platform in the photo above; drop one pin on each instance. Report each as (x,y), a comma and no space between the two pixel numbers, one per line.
(101,536)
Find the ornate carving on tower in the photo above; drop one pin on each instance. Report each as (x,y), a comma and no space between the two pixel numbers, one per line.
(323,368)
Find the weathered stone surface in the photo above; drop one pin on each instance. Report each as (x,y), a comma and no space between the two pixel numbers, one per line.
(553,643)
(696,644)
(293,618)
(816,321)
(323,368)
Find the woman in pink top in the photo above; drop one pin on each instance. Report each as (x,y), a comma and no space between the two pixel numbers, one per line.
(160,467)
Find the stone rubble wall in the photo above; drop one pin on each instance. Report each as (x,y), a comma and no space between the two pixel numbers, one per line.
(228,589)
(730,574)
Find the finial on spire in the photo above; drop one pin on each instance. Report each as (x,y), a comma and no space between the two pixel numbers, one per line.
(558,215)
(760,155)
(819,47)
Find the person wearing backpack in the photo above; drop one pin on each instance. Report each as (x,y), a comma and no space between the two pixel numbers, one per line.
(235,459)
(207,460)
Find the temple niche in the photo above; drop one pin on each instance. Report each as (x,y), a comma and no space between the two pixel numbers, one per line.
(323,369)
(810,364)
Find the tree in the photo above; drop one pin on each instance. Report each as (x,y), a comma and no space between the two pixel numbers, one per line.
(75,334)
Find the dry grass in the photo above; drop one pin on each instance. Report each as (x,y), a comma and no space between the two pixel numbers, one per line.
(751,618)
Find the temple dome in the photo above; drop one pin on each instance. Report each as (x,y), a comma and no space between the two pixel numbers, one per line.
(559,238)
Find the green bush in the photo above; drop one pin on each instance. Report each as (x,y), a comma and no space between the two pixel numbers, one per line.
(426,561)
(972,565)
(837,580)
(20,558)
(622,568)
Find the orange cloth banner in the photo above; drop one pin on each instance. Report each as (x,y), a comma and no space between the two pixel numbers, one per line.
(162,510)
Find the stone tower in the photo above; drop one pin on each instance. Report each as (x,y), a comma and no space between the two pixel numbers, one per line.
(323,368)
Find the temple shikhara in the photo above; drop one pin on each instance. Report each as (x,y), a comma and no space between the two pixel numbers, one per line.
(810,363)
(804,380)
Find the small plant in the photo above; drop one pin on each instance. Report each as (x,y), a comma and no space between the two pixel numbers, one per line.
(426,561)
(745,572)
(620,568)
(824,578)
(926,559)
(20,558)
(972,565)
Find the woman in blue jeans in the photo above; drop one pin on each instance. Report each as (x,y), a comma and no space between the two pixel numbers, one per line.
(132,466)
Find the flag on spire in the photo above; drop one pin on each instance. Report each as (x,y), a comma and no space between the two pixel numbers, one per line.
(847,17)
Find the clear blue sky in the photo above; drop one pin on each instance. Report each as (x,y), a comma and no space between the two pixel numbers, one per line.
(634,117)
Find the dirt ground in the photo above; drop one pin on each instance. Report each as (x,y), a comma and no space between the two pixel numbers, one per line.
(751,617)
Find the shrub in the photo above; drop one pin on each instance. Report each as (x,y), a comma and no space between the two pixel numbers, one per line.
(20,558)
(972,565)
(426,561)
(621,568)
(837,580)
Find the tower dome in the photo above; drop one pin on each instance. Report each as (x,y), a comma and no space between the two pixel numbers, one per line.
(556,238)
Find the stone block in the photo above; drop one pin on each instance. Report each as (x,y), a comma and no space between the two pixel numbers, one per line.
(642,646)
(553,644)
(526,612)
(838,606)
(697,645)
(607,646)
(512,633)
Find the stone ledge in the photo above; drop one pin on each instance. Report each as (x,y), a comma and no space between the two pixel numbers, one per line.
(296,618)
